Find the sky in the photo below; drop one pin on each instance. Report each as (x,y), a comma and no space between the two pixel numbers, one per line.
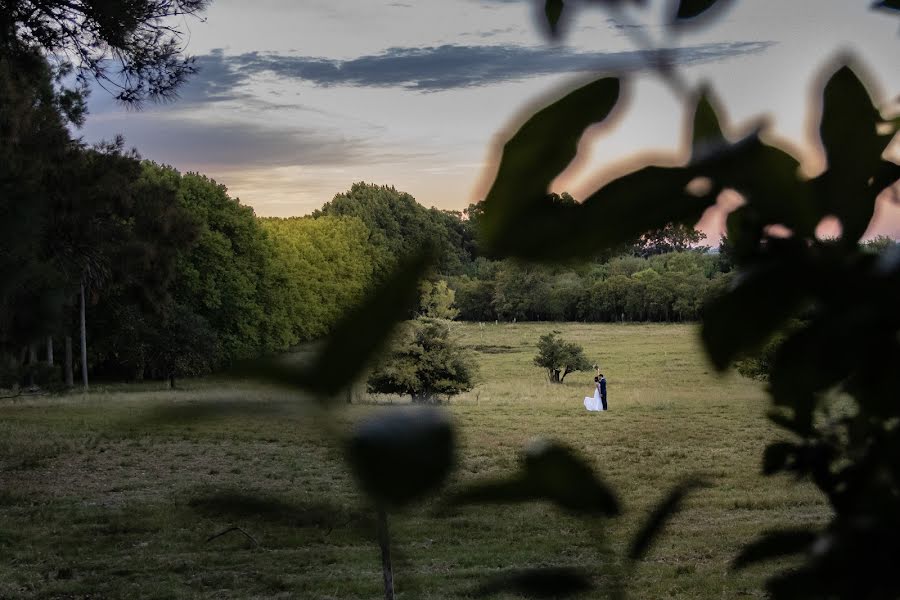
(295,101)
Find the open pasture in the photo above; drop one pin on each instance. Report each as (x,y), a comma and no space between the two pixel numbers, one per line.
(115,494)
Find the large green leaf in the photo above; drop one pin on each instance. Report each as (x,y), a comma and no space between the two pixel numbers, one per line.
(779,456)
(402,454)
(531,225)
(540,150)
(553,10)
(853,148)
(688,9)
(708,138)
(618,213)
(762,300)
(769,180)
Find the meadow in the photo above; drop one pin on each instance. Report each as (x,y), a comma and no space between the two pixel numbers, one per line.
(115,494)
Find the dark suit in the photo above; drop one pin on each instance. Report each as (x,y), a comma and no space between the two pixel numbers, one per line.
(602,386)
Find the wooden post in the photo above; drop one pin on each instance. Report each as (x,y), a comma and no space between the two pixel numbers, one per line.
(84,366)
(384,541)
(49,350)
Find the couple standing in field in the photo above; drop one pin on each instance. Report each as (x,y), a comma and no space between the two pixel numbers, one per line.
(597,402)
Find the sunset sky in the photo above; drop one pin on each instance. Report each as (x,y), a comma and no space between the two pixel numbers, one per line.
(295,101)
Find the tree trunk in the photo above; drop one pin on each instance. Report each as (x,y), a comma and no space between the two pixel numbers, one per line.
(84,365)
(49,350)
(32,363)
(563,376)
(384,542)
(70,379)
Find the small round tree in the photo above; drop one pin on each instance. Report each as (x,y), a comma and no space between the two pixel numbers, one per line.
(560,357)
(424,363)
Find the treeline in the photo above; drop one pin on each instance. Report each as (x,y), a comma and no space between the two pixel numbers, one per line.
(665,287)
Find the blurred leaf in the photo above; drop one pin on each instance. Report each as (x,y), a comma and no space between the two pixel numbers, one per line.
(551,472)
(688,9)
(496,492)
(553,9)
(853,148)
(789,423)
(778,456)
(567,480)
(886,175)
(888,4)
(761,302)
(356,339)
(402,454)
(620,212)
(707,132)
(540,150)
(657,520)
(550,582)
(815,358)
(180,413)
(773,545)
(239,504)
(769,179)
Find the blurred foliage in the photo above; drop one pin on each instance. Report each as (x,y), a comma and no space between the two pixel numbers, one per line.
(402,455)
(759,364)
(847,296)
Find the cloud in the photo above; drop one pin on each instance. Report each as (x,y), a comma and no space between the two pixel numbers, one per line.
(194,143)
(494,32)
(222,78)
(457,66)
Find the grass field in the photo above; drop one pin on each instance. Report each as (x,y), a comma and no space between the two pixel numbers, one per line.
(115,494)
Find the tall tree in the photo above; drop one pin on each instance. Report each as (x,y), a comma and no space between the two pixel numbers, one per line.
(325,269)
(399,225)
(674,237)
(424,363)
(132,48)
(559,357)
(34,146)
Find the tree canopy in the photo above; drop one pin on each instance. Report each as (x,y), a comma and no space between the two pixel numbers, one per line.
(398,226)
(132,48)
(559,357)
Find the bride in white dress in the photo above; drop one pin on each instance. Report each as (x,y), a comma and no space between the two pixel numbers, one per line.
(593,403)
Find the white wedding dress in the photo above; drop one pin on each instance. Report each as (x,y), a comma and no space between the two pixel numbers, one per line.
(593,403)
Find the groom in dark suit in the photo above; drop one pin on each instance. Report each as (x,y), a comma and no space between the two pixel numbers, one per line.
(602,385)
